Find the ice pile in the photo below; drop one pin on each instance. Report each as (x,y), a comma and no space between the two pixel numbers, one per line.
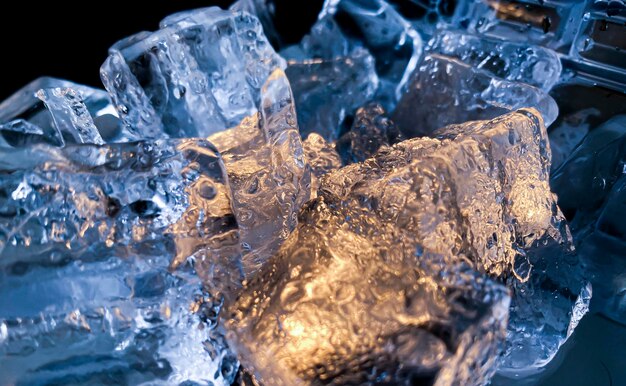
(370,205)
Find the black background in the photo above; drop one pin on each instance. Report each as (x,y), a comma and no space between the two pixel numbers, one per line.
(74,47)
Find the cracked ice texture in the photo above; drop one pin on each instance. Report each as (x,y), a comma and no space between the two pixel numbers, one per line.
(56,112)
(463,93)
(199,74)
(476,194)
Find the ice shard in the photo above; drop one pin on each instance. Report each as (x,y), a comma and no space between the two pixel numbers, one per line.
(476,194)
(56,112)
(268,173)
(516,62)
(199,74)
(463,93)
(68,110)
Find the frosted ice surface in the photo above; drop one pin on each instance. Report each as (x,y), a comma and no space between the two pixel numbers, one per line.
(268,174)
(329,90)
(520,62)
(463,93)
(63,111)
(199,74)
(349,300)
(370,130)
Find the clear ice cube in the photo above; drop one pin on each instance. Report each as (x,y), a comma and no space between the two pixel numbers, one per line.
(348,300)
(268,174)
(329,90)
(64,112)
(87,235)
(445,90)
(199,74)
(518,62)
(91,202)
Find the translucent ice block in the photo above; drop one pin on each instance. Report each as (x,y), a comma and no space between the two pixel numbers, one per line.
(199,74)
(445,90)
(64,112)
(327,91)
(268,174)
(118,320)
(90,202)
(476,194)
(344,302)
(518,62)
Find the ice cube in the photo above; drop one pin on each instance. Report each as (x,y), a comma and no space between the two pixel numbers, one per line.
(445,90)
(346,302)
(267,170)
(71,114)
(374,25)
(476,194)
(118,320)
(91,202)
(518,62)
(328,91)
(199,74)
